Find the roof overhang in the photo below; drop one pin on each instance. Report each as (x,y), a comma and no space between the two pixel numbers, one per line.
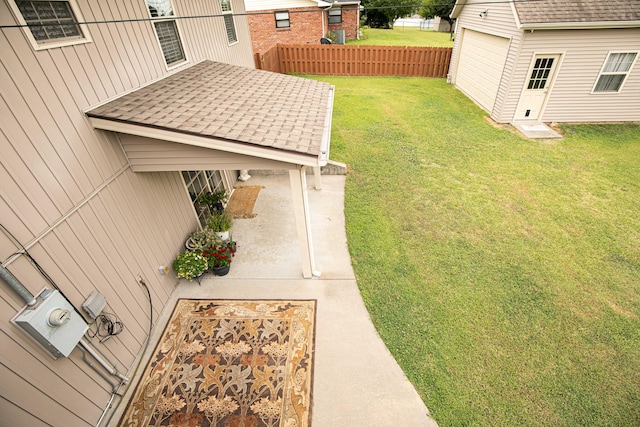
(206,142)
(229,109)
(457,8)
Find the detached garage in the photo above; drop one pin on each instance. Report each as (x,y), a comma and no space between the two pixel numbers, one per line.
(482,58)
(534,62)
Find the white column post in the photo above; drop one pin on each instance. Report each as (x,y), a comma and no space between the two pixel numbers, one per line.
(317,177)
(298,180)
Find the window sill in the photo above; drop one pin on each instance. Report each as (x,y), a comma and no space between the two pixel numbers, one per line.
(55,45)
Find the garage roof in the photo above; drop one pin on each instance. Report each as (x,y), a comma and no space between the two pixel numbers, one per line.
(232,103)
(556,11)
(568,14)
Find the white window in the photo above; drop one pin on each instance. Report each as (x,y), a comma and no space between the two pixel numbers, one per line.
(51,23)
(201,182)
(615,71)
(167,31)
(335,16)
(228,21)
(282,19)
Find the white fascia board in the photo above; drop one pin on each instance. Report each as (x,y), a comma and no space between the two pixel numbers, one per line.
(579,25)
(457,8)
(271,153)
(325,145)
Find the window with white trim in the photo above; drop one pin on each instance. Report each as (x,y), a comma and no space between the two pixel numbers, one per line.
(335,16)
(52,23)
(614,71)
(282,19)
(161,12)
(229,25)
(202,182)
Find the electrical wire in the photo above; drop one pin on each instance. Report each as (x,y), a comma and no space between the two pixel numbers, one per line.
(141,282)
(363,8)
(106,325)
(37,266)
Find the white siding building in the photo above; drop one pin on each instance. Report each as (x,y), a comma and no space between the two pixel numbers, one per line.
(549,60)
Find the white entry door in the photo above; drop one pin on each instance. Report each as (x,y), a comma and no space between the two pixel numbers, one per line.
(537,87)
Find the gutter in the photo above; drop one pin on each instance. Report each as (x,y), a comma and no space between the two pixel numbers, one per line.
(323,157)
(600,25)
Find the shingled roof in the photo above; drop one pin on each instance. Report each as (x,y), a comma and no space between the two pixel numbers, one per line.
(233,103)
(571,11)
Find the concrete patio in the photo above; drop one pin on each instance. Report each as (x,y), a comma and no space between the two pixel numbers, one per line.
(356,380)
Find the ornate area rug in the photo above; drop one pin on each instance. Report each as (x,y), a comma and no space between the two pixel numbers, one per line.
(229,363)
(243,200)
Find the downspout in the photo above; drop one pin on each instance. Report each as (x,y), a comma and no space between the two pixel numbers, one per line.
(323,12)
(11,280)
(325,144)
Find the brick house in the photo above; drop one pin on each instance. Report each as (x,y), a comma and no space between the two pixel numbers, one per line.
(300,21)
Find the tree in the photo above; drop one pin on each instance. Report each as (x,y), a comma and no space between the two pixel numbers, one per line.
(441,8)
(382,13)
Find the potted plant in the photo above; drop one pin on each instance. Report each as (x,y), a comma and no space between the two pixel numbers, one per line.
(232,245)
(219,258)
(220,223)
(214,200)
(200,239)
(189,265)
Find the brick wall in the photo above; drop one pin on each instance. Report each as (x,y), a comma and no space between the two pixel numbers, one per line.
(306,27)
(350,22)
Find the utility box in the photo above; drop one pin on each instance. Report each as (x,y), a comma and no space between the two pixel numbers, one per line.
(53,322)
(339,36)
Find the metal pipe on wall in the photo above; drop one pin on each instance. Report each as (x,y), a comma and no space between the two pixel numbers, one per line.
(109,367)
(18,287)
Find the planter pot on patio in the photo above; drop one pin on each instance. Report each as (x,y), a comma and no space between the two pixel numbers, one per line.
(223,235)
(221,271)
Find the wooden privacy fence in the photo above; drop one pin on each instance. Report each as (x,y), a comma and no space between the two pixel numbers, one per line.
(356,60)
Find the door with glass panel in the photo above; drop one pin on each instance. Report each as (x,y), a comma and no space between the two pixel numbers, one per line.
(537,87)
(199,182)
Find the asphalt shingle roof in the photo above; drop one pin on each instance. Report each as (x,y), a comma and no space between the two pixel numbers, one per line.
(240,104)
(558,11)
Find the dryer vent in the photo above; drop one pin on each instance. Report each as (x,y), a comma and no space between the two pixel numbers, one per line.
(94,304)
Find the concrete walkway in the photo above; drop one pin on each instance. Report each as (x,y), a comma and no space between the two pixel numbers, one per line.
(356,380)
(536,130)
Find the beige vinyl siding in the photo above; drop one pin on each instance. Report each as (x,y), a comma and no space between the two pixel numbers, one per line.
(481,64)
(584,53)
(146,154)
(69,194)
(14,416)
(500,22)
(135,224)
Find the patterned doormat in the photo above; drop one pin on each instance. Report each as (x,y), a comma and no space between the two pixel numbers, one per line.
(229,363)
(243,200)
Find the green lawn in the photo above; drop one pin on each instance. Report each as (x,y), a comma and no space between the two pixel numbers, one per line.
(502,273)
(403,37)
